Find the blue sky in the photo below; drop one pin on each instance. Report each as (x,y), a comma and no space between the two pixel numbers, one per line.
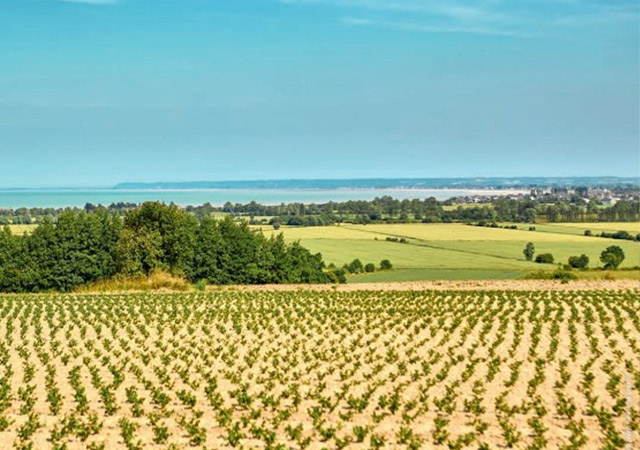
(94,92)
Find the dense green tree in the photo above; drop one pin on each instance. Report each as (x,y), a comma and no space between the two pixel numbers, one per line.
(79,249)
(12,264)
(612,257)
(210,256)
(84,247)
(337,276)
(545,258)
(385,264)
(355,266)
(161,237)
(529,251)
(579,262)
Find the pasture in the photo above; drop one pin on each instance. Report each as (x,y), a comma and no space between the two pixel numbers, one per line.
(313,370)
(457,251)
(19,230)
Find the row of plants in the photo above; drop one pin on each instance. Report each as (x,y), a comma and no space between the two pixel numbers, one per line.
(302,369)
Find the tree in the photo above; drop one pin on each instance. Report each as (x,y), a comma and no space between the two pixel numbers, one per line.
(157,236)
(612,257)
(579,262)
(370,267)
(338,276)
(355,266)
(139,253)
(385,264)
(82,247)
(545,258)
(529,251)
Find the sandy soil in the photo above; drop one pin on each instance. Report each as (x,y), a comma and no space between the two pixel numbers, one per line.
(467,285)
(261,364)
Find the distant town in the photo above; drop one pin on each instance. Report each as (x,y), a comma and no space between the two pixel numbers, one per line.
(600,195)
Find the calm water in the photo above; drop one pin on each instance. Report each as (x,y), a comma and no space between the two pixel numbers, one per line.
(76,197)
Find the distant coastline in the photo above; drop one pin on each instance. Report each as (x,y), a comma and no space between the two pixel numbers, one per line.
(396,183)
(273,192)
(60,198)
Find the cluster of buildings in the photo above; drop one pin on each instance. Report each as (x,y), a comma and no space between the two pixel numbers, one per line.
(603,195)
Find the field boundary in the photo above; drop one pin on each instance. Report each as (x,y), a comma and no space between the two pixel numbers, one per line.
(459,285)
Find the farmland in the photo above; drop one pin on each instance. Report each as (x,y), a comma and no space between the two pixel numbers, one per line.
(303,369)
(457,251)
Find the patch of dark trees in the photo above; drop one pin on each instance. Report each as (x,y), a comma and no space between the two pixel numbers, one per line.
(83,247)
(384,210)
(624,235)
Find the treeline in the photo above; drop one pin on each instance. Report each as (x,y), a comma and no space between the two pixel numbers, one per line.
(84,247)
(624,235)
(388,210)
(385,210)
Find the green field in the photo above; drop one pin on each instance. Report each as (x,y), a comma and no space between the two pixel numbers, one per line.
(21,229)
(579,228)
(457,251)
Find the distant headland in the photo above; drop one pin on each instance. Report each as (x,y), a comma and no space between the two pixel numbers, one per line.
(394,183)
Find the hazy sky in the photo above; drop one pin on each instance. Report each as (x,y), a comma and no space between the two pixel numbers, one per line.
(95,92)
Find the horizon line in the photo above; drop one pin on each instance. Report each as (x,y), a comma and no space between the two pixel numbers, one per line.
(123,184)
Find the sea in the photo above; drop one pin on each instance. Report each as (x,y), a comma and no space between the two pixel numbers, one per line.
(62,198)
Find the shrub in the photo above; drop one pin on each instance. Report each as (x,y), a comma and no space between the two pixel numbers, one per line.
(370,267)
(563,275)
(355,266)
(529,251)
(624,235)
(385,264)
(201,285)
(545,258)
(338,276)
(559,274)
(588,233)
(612,257)
(579,262)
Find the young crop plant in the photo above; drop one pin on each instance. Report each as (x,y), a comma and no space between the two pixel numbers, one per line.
(321,369)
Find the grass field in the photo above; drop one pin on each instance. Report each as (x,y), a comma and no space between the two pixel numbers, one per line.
(21,229)
(457,251)
(314,370)
(579,228)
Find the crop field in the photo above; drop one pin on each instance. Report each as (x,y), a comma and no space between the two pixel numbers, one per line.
(303,369)
(19,230)
(579,228)
(457,251)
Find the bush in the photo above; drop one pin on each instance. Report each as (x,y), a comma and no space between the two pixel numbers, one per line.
(201,285)
(559,274)
(385,264)
(545,258)
(337,276)
(579,262)
(624,235)
(370,267)
(588,233)
(563,275)
(355,266)
(529,251)
(612,257)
